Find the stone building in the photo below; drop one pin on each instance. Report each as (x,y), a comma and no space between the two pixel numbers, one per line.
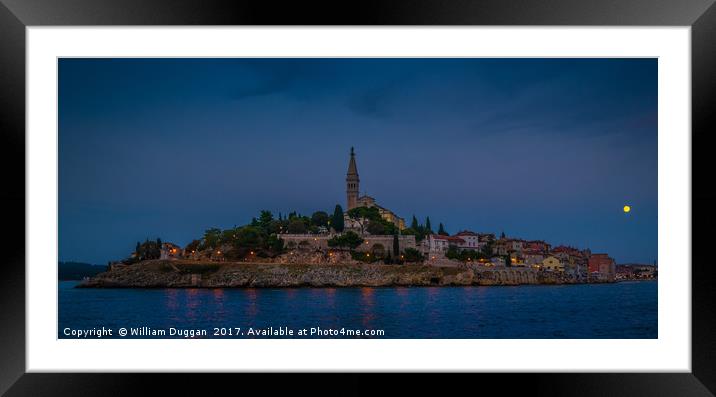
(470,240)
(353,199)
(170,251)
(552,264)
(371,243)
(602,267)
(435,246)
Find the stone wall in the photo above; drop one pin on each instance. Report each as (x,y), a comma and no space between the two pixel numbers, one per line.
(315,241)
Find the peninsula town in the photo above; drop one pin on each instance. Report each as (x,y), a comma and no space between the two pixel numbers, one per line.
(364,245)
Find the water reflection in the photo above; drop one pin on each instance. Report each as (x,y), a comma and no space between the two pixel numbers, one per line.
(431,312)
(367,303)
(170,297)
(251,295)
(402,293)
(330,297)
(218,295)
(193,302)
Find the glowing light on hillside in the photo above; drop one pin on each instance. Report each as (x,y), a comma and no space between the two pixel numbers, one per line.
(627,209)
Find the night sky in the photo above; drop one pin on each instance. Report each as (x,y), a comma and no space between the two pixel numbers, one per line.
(546,149)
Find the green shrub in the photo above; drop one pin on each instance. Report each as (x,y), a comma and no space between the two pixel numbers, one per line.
(346,240)
(413,255)
(364,257)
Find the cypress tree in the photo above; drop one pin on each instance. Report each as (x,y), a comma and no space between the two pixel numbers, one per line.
(396,246)
(414,223)
(441,230)
(428,228)
(337,221)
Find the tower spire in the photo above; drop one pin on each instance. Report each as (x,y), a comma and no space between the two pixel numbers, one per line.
(352,182)
(352,168)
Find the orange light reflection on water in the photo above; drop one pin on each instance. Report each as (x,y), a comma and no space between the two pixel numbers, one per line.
(252,308)
(368,304)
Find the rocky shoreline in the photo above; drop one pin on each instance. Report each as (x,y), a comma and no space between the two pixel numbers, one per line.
(196,274)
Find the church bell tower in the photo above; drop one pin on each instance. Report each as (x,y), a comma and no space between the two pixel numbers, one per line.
(352,182)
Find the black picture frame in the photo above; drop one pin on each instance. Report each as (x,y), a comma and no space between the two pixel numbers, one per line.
(16,15)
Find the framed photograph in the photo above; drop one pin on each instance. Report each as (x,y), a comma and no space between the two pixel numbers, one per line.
(428,187)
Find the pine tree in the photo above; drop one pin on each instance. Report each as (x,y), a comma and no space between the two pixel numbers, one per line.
(337,220)
(265,218)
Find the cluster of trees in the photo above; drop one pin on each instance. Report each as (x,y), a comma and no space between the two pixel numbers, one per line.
(465,255)
(369,220)
(296,223)
(260,237)
(149,249)
(420,231)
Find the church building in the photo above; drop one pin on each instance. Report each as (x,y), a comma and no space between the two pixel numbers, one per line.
(355,200)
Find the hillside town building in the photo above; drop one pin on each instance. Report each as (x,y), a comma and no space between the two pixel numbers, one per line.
(552,264)
(470,240)
(436,244)
(353,199)
(170,251)
(602,267)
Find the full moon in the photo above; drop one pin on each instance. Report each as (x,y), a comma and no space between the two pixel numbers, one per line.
(627,208)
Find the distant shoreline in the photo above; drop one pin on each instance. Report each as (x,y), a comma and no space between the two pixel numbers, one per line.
(68,271)
(625,280)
